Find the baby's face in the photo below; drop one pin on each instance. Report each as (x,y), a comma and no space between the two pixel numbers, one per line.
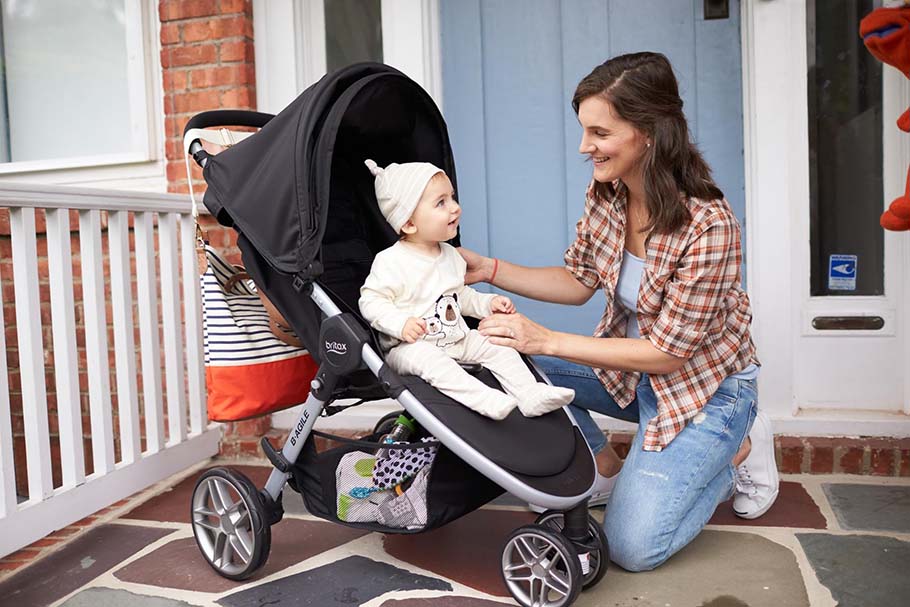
(436,217)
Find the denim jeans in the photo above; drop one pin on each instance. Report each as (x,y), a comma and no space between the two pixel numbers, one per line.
(662,499)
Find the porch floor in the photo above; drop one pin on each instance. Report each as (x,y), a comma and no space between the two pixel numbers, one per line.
(829,540)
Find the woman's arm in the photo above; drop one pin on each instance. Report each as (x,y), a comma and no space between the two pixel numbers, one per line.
(621,354)
(554,284)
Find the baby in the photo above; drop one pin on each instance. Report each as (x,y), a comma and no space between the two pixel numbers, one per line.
(415,296)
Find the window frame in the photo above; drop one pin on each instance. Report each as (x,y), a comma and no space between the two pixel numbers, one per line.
(145,161)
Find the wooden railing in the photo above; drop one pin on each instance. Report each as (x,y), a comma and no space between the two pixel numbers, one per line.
(169,431)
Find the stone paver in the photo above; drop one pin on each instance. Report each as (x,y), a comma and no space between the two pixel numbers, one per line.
(794,508)
(293,541)
(870,507)
(441,601)
(76,564)
(861,570)
(468,550)
(109,597)
(719,568)
(351,581)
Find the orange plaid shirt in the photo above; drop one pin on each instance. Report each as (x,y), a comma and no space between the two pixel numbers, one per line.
(690,304)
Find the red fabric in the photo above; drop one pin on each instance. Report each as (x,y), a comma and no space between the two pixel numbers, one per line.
(277,385)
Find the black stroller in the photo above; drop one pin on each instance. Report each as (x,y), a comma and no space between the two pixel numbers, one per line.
(303,204)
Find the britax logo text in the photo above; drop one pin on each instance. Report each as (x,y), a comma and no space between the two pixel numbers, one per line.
(336,348)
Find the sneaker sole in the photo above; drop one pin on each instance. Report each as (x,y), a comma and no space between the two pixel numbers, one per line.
(760,511)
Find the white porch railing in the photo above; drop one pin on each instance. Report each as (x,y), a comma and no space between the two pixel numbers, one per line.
(188,439)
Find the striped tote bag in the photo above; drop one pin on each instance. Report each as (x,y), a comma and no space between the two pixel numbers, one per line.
(249,371)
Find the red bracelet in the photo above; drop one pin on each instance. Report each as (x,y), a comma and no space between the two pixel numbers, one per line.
(495,269)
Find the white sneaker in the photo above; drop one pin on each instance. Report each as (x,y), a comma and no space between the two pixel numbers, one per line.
(603,487)
(757,479)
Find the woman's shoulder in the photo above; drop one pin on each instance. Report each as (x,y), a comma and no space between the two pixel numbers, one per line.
(705,214)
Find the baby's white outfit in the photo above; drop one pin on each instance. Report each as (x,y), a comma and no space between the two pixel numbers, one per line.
(405,283)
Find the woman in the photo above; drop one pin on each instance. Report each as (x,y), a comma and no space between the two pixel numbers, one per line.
(673,351)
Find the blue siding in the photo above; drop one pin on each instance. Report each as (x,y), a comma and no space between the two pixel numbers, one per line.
(509,70)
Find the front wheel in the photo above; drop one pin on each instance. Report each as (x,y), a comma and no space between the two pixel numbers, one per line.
(540,568)
(230,523)
(598,557)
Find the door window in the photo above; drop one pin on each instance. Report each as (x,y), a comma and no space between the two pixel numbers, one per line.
(845,152)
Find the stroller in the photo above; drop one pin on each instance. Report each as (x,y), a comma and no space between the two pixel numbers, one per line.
(308,224)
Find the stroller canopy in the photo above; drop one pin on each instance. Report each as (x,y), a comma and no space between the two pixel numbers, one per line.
(277,187)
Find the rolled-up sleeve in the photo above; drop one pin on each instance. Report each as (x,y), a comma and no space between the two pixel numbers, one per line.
(579,257)
(694,297)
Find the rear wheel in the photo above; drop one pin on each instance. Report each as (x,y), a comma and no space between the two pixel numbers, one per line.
(230,523)
(598,557)
(540,568)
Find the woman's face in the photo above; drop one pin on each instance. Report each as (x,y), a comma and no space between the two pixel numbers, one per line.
(616,148)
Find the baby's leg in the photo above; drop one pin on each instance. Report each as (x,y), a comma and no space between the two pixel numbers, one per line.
(534,398)
(439,370)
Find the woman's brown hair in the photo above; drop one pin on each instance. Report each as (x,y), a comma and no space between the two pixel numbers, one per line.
(643,91)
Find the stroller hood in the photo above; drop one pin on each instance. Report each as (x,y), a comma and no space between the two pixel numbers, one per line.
(275,187)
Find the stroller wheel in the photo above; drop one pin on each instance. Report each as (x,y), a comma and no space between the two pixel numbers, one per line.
(598,558)
(540,568)
(230,523)
(385,423)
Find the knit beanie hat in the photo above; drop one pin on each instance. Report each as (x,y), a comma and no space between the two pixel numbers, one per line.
(398,189)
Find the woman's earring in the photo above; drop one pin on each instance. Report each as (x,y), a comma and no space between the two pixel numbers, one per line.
(649,144)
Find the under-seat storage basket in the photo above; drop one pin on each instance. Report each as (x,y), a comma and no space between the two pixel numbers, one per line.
(335,475)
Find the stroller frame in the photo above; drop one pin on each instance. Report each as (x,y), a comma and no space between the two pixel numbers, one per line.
(546,564)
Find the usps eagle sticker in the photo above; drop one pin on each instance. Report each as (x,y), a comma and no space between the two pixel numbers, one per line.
(842,272)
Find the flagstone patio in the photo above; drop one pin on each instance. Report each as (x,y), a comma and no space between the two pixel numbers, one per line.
(829,540)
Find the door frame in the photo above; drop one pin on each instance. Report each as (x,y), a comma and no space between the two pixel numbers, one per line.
(775,123)
(289,40)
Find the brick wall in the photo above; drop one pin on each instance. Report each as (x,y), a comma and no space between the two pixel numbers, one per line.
(207,63)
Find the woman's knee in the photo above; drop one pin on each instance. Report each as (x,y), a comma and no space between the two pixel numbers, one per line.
(635,549)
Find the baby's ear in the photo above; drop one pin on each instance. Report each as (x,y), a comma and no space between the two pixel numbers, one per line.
(408,228)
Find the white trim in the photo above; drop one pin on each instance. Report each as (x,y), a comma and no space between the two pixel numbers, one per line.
(410,42)
(309,22)
(66,197)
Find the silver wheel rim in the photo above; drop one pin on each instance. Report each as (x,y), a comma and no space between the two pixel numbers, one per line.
(223,525)
(536,572)
(556,522)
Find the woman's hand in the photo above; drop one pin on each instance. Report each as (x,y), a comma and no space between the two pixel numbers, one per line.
(519,332)
(480,268)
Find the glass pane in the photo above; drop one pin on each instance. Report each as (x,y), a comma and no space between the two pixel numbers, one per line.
(845,152)
(64,97)
(353,32)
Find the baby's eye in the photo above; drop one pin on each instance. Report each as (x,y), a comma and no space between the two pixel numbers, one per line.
(441,202)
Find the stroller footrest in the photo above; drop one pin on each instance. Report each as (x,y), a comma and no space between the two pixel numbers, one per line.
(276,457)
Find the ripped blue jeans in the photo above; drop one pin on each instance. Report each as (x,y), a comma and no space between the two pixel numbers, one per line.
(662,499)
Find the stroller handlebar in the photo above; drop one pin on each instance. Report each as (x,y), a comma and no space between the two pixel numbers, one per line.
(195,130)
(205,120)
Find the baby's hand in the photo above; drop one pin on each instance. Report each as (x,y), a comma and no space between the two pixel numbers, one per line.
(502,304)
(413,329)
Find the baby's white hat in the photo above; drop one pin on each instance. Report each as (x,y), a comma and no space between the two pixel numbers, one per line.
(398,188)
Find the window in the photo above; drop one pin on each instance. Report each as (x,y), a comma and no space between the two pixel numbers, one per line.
(845,150)
(74,88)
(353,32)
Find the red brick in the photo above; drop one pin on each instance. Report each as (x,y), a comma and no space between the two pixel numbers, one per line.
(174,80)
(195,101)
(236,51)
(188,55)
(881,461)
(24,555)
(236,6)
(849,455)
(243,97)
(217,29)
(172,10)
(792,450)
(231,75)
(170,33)
(821,456)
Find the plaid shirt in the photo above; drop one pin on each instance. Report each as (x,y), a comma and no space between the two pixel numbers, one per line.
(690,304)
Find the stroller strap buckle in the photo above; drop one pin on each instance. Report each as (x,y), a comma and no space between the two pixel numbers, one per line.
(308,275)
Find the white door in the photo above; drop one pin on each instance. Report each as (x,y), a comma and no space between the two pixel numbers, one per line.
(832,287)
(297,41)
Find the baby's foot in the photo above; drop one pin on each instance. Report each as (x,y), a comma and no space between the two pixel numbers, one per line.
(540,399)
(494,404)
